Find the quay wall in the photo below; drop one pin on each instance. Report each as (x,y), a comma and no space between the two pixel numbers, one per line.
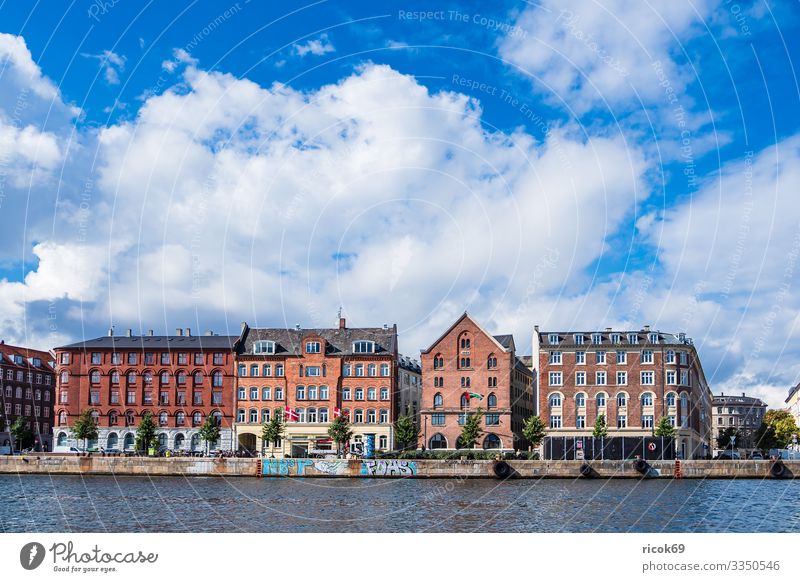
(244,467)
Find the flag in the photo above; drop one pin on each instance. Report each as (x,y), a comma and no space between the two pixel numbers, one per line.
(291,415)
(338,412)
(474,395)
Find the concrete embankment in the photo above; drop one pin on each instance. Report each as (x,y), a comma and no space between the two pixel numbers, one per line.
(241,467)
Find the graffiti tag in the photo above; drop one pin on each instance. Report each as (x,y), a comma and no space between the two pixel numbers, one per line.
(383,468)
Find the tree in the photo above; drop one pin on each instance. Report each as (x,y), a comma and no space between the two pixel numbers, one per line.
(146,432)
(776,430)
(209,432)
(534,430)
(406,432)
(22,434)
(272,431)
(340,432)
(471,431)
(84,427)
(600,427)
(664,428)
(728,437)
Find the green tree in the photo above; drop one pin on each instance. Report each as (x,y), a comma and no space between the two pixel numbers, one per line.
(406,433)
(728,437)
(3,422)
(600,427)
(210,431)
(340,432)
(471,431)
(272,431)
(776,430)
(84,427)
(146,432)
(534,430)
(22,434)
(664,428)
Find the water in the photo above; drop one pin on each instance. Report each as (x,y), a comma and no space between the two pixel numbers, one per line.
(41,503)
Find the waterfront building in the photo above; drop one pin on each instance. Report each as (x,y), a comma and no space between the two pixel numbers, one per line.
(632,377)
(467,369)
(744,413)
(409,387)
(27,385)
(793,403)
(181,379)
(310,376)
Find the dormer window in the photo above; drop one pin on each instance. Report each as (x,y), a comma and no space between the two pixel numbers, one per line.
(37,362)
(264,347)
(616,338)
(579,339)
(363,347)
(18,359)
(552,338)
(633,338)
(597,338)
(313,347)
(653,338)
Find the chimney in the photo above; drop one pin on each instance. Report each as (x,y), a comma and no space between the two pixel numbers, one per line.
(297,326)
(608,329)
(244,325)
(179,331)
(188,331)
(342,323)
(130,332)
(742,393)
(536,328)
(385,326)
(150,332)
(647,328)
(209,332)
(110,332)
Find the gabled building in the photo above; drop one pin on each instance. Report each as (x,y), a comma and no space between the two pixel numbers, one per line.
(742,413)
(27,389)
(309,376)
(631,377)
(467,369)
(181,379)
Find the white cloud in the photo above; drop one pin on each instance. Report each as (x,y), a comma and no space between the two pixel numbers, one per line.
(111,63)
(318,46)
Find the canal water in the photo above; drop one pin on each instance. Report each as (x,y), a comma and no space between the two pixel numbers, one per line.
(41,503)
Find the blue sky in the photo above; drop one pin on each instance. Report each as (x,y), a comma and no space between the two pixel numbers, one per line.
(570,164)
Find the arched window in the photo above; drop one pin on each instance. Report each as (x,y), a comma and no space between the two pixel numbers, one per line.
(131,378)
(179,438)
(180,377)
(684,401)
(130,418)
(112,418)
(112,440)
(555,400)
(670,399)
(62,418)
(240,414)
(311,415)
(438,362)
(254,370)
(491,401)
(438,401)
(198,378)
(266,370)
(197,418)
(491,362)
(164,378)
(437,441)
(148,377)
(95,416)
(622,399)
(64,377)
(194,443)
(492,441)
(94,376)
(580,400)
(180,418)
(601,400)
(114,377)
(647,399)
(62,439)
(162,440)
(128,442)
(465,400)
(162,418)
(216,379)
(464,341)
(253,415)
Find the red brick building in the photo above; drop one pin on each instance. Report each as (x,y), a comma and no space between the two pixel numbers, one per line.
(27,385)
(467,360)
(633,378)
(311,375)
(180,379)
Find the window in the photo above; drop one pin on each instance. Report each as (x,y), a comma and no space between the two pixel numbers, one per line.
(363,347)
(164,378)
(601,400)
(164,398)
(552,338)
(266,370)
(345,393)
(492,419)
(240,415)
(669,357)
(597,338)
(580,357)
(131,378)
(672,377)
(359,394)
(64,377)
(359,369)
(96,358)
(131,397)
(183,359)
(264,347)
(555,379)
(647,399)
(323,392)
(312,371)
(491,401)
(491,362)
(622,421)
(278,393)
(437,420)
(555,357)
(438,362)
(132,358)
(622,357)
(580,378)
(253,415)
(372,370)
(580,421)
(633,338)
(371,416)
(180,418)
(385,370)
(216,379)
(384,394)
(683,358)
(180,377)
(313,347)
(653,337)
(648,378)
(600,378)
(383,442)
(579,339)
(198,358)
(94,377)
(149,359)
(555,400)
(300,393)
(622,378)
(622,400)
(198,378)
(312,392)
(197,397)
(600,357)
(685,377)
(64,358)
(555,421)
(647,357)
(580,400)
(465,362)
(438,401)
(465,400)
(219,358)
(647,421)
(94,397)
(165,358)
(147,377)
(253,393)
(358,415)
(465,382)
(465,343)
(254,369)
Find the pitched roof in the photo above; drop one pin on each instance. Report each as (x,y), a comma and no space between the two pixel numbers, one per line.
(338,341)
(8,351)
(156,342)
(506,348)
(791,392)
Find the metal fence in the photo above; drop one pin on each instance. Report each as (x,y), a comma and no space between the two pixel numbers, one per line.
(609,448)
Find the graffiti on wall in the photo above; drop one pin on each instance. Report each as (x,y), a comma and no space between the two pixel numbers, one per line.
(337,467)
(284,466)
(384,468)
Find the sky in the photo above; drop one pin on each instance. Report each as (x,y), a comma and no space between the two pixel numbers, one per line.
(575,164)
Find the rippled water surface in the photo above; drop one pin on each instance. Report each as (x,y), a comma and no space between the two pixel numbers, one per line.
(211,504)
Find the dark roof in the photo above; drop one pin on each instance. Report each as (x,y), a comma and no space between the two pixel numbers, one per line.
(505,340)
(641,334)
(156,342)
(733,399)
(519,364)
(526,361)
(7,353)
(339,341)
(791,392)
(409,364)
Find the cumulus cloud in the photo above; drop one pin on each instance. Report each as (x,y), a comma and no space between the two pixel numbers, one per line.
(317,46)
(111,64)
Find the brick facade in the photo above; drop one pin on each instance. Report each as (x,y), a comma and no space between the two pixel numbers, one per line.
(468,359)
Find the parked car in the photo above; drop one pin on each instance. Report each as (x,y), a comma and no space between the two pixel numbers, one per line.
(728,456)
(76,451)
(757,456)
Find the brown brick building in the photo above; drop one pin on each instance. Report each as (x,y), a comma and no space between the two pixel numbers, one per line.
(466,360)
(180,379)
(311,375)
(632,377)
(27,385)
